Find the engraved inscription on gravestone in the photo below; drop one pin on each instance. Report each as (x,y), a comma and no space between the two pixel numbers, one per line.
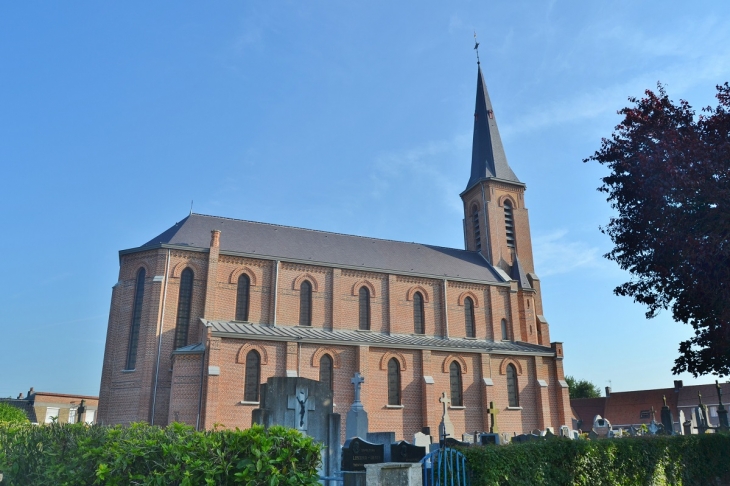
(357,452)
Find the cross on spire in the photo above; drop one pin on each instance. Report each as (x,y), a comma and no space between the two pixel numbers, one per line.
(476,46)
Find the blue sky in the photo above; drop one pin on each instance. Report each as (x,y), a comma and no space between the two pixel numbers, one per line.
(339,116)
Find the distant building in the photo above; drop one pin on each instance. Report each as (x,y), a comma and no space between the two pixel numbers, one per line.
(624,409)
(43,407)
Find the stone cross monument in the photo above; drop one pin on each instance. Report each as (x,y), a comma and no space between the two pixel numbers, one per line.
(357,417)
(446,428)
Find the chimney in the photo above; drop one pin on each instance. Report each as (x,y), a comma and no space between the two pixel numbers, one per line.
(608,391)
(30,392)
(215,238)
(678,385)
(20,396)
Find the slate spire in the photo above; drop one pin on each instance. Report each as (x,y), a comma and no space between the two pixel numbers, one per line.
(487,156)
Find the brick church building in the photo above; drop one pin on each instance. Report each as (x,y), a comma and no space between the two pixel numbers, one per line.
(212,307)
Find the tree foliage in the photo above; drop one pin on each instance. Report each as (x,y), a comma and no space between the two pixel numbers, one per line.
(669,183)
(10,414)
(582,388)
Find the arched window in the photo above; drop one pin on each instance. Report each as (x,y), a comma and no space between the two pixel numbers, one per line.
(136,320)
(242,297)
(418,326)
(512,390)
(393,382)
(325,370)
(477,233)
(505,336)
(509,223)
(364,308)
(184,301)
(253,377)
(469,317)
(455,381)
(305,304)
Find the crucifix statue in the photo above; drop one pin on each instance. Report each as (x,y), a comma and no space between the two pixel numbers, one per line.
(492,418)
(301,404)
(446,428)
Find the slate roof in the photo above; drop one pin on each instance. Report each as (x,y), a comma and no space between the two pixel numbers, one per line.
(264,240)
(350,338)
(488,159)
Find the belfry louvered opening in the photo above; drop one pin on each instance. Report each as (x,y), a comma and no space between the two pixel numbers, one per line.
(509,223)
(136,320)
(477,233)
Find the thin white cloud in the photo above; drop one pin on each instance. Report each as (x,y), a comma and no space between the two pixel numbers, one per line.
(432,163)
(555,253)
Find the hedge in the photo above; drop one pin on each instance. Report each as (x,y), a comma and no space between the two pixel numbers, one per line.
(662,460)
(8,413)
(79,454)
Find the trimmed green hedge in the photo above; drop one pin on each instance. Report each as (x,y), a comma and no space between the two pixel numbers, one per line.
(78,454)
(680,460)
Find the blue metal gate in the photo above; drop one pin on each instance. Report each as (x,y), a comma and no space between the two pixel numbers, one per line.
(444,467)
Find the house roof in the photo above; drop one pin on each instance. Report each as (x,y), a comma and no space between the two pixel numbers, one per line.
(586,409)
(271,241)
(687,396)
(488,160)
(400,341)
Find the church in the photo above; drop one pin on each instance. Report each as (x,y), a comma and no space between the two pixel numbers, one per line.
(209,309)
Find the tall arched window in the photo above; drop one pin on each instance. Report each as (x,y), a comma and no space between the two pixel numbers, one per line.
(469,316)
(364,295)
(418,326)
(184,302)
(477,233)
(393,382)
(253,377)
(505,336)
(512,390)
(509,223)
(305,304)
(242,297)
(455,382)
(325,370)
(136,320)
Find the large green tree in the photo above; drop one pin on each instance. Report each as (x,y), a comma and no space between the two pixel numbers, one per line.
(582,388)
(669,183)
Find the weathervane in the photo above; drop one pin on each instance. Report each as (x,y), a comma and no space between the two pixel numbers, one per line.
(476,46)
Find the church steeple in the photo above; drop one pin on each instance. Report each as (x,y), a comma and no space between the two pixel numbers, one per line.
(488,160)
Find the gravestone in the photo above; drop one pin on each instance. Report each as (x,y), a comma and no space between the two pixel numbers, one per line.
(357,452)
(446,428)
(680,429)
(385,438)
(468,438)
(394,474)
(421,440)
(451,442)
(575,435)
(305,405)
(667,419)
(357,417)
(493,418)
(633,431)
(601,426)
(724,425)
(655,428)
(405,452)
(490,439)
(703,417)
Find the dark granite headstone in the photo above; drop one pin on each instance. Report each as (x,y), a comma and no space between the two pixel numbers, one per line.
(357,452)
(451,442)
(489,439)
(518,439)
(405,452)
(385,438)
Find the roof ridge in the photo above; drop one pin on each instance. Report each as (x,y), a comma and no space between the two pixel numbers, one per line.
(329,232)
